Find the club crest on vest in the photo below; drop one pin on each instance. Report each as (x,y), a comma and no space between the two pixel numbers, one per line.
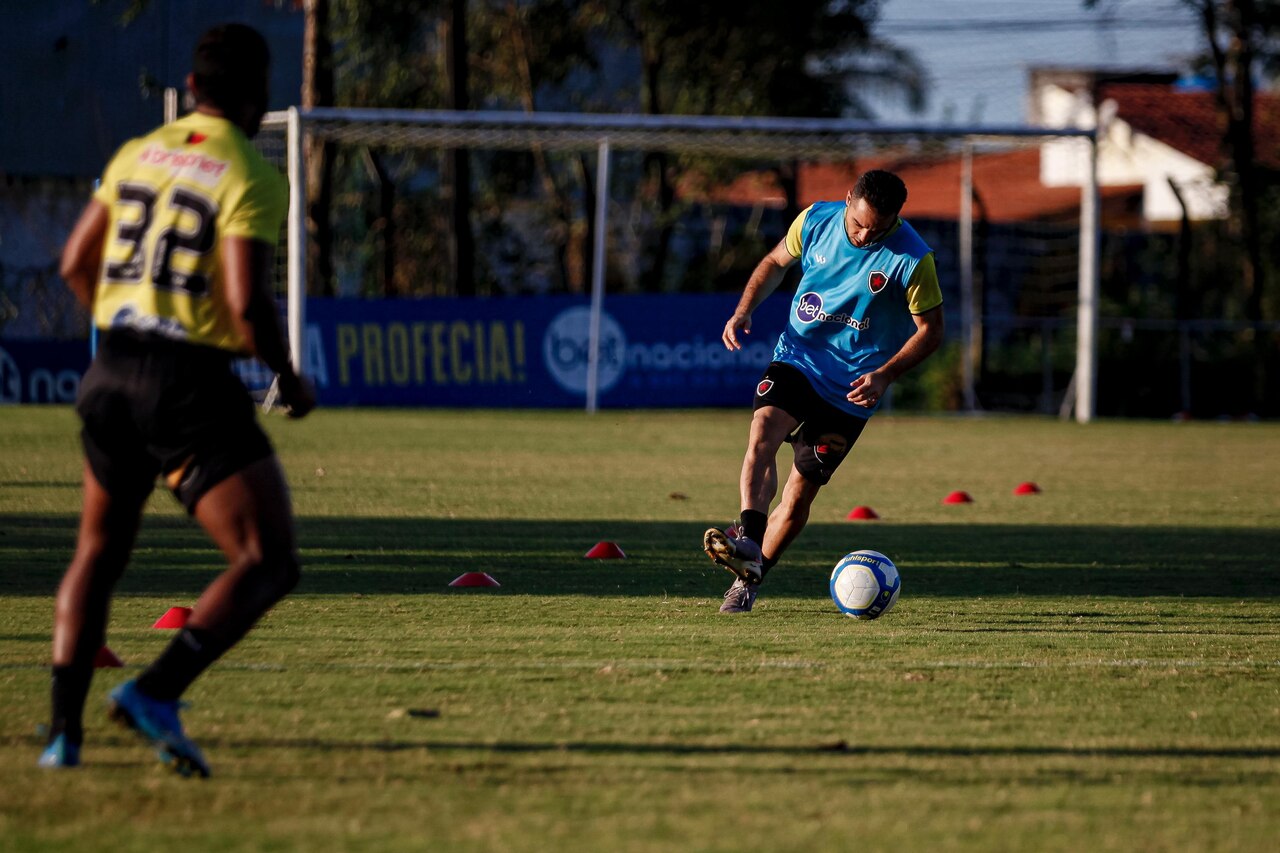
(877,280)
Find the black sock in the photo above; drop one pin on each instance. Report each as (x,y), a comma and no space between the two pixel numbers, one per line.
(181,663)
(754,523)
(766,565)
(69,688)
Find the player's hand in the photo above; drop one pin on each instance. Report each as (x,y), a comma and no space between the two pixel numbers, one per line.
(738,324)
(297,394)
(868,389)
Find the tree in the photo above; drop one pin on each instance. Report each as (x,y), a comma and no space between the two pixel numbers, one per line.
(1242,39)
(785,59)
(318,91)
(662,56)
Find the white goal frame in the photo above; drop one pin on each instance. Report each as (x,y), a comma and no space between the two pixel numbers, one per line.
(819,139)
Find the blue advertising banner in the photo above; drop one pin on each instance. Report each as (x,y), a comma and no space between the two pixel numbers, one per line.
(41,371)
(655,351)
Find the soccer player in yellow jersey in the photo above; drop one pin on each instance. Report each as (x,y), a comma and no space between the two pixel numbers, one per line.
(173,256)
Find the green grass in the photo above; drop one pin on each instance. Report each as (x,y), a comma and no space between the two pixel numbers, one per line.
(1093,668)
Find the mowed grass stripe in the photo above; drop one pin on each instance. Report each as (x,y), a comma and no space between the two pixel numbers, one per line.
(1095,667)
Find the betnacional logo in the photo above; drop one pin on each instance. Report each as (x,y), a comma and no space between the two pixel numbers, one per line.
(877,280)
(809,310)
(566,348)
(763,387)
(10,379)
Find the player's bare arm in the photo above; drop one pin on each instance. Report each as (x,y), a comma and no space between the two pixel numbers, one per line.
(246,267)
(82,255)
(870,387)
(764,280)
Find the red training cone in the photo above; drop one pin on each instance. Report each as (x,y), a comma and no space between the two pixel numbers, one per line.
(863,512)
(474,579)
(605,551)
(174,617)
(106,659)
(1027,488)
(958,497)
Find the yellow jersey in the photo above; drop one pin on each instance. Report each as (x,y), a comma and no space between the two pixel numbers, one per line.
(172,195)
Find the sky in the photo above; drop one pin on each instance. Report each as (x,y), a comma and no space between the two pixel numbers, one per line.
(978,52)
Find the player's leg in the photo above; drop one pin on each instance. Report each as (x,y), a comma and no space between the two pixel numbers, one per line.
(738,550)
(780,397)
(789,517)
(758,483)
(820,446)
(108,529)
(248,515)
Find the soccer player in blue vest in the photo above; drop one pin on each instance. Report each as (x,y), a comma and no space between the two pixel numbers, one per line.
(868,308)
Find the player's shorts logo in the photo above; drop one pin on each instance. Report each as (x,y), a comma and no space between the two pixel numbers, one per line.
(763,387)
(877,280)
(831,444)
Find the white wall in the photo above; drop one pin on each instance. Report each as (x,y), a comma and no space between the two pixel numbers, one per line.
(1125,158)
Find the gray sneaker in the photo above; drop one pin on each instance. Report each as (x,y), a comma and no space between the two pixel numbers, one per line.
(740,597)
(738,554)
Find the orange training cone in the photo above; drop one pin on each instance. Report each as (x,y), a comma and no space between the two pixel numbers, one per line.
(958,497)
(863,512)
(174,617)
(1027,488)
(474,579)
(106,659)
(605,551)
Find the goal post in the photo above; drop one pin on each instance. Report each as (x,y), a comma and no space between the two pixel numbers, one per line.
(776,138)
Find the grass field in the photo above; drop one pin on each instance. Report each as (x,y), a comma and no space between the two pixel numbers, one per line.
(1093,668)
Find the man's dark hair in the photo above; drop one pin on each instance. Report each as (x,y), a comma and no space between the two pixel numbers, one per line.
(230,67)
(884,191)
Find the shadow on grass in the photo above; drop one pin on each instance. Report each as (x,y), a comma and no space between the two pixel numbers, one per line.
(737,749)
(413,556)
(837,747)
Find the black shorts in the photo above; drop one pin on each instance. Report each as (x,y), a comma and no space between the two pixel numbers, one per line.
(153,407)
(825,434)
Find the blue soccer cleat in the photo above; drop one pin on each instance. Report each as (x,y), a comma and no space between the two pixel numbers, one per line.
(60,753)
(157,722)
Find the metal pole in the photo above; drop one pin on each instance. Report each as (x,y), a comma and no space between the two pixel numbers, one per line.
(966,277)
(170,105)
(597,275)
(1087,308)
(297,242)
(1184,366)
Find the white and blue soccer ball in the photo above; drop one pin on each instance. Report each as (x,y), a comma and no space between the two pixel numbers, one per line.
(865,584)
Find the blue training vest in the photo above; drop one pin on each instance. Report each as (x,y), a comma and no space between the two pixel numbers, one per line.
(849,315)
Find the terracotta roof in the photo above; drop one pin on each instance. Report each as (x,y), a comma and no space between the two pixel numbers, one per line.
(1007,184)
(1189,121)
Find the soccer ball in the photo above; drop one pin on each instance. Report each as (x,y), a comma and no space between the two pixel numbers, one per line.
(865,584)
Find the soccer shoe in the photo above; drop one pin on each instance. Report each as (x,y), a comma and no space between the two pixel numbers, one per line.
(738,554)
(157,722)
(60,753)
(741,597)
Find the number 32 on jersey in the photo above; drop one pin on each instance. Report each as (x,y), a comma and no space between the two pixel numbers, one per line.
(162,240)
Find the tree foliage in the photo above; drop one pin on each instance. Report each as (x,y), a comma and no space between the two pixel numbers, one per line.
(803,58)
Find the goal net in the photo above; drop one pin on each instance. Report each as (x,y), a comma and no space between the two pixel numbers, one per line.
(606,206)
